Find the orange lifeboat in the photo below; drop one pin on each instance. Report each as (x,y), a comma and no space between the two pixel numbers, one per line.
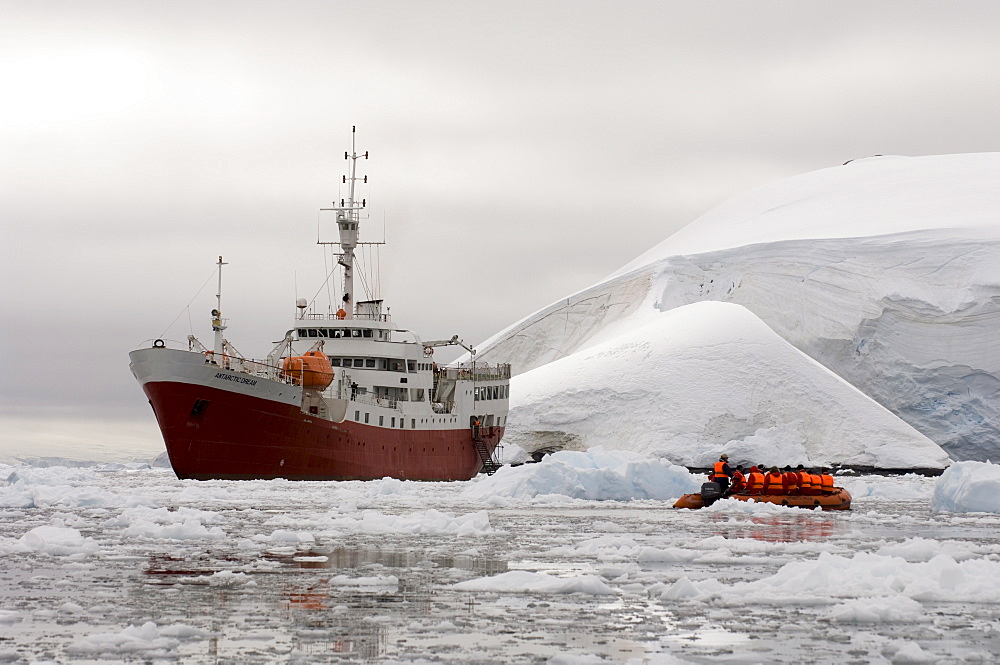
(313,370)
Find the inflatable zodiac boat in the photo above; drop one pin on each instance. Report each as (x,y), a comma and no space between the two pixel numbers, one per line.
(837,498)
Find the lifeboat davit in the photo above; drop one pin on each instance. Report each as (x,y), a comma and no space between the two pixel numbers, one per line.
(836,498)
(312,370)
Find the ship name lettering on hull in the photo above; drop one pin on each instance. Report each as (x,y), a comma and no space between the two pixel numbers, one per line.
(236,379)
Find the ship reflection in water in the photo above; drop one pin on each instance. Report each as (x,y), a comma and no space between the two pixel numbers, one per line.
(323,601)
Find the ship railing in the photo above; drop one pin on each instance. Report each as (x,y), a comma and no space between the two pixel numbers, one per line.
(497,372)
(330,316)
(376,400)
(252,367)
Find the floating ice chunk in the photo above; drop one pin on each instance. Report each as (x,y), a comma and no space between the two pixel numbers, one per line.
(429,522)
(968,487)
(667,555)
(682,589)
(923,549)
(864,575)
(58,541)
(285,536)
(144,639)
(10,616)
(190,529)
(222,578)
(876,610)
(229,578)
(909,486)
(596,475)
(373,583)
(911,652)
(576,659)
(523,581)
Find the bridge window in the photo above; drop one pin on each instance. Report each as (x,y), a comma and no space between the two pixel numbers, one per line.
(370,362)
(411,366)
(366,333)
(356,332)
(359,362)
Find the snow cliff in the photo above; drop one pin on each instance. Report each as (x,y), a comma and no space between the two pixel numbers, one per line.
(704,379)
(884,270)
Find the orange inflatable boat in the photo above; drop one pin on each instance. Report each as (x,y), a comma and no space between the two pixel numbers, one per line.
(836,498)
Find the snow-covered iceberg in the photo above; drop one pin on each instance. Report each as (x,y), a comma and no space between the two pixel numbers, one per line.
(703,379)
(968,487)
(595,475)
(885,270)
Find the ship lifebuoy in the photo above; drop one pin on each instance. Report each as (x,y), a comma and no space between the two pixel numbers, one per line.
(158,344)
(428,352)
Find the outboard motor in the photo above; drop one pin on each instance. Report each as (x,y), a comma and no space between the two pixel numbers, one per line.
(710,492)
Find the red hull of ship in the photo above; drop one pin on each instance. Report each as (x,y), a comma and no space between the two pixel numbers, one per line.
(240,437)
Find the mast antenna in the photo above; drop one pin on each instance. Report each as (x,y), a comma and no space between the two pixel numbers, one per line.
(217,324)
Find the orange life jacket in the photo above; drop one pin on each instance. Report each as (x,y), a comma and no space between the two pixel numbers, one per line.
(717,471)
(775,484)
(739,480)
(805,480)
(755,481)
(827,481)
(817,482)
(791,480)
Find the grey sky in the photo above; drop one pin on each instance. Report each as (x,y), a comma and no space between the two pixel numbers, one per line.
(520,151)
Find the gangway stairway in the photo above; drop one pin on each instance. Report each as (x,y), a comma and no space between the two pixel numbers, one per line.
(490,463)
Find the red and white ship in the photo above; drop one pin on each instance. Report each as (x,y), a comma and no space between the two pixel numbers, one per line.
(346,395)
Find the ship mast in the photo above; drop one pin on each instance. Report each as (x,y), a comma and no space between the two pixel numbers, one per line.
(217,324)
(348,215)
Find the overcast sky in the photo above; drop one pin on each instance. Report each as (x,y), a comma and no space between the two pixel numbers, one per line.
(519,152)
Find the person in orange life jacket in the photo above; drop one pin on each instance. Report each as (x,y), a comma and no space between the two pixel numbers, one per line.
(774,482)
(791,480)
(827,480)
(755,480)
(817,482)
(811,483)
(805,480)
(721,472)
(739,485)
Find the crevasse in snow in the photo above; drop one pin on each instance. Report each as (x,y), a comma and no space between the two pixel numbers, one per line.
(886,271)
